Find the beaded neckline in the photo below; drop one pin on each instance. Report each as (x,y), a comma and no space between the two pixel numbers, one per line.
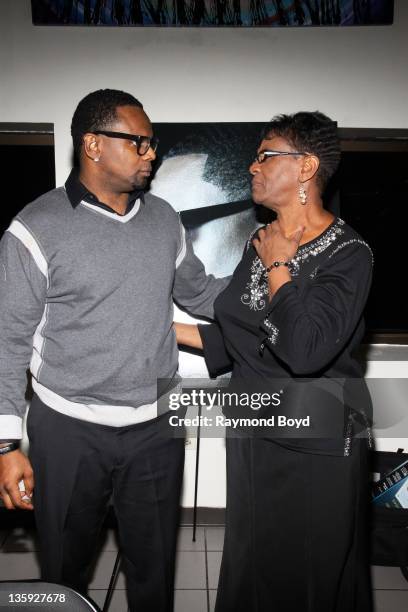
(328,229)
(257,287)
(317,245)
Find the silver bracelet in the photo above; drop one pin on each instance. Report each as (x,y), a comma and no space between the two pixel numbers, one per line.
(8,448)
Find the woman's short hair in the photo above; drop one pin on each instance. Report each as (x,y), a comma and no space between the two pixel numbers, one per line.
(309,132)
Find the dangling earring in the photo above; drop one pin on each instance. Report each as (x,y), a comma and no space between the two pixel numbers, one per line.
(302,195)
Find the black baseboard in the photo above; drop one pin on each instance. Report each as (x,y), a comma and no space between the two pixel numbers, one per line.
(205,516)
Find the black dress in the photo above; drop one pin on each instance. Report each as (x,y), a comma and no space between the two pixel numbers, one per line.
(295,537)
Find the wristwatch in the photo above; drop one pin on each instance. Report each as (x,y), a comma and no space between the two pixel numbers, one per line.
(9,447)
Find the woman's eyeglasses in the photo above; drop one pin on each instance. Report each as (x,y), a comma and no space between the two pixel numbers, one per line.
(263,155)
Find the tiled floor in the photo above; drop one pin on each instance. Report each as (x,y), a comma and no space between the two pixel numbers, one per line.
(198,565)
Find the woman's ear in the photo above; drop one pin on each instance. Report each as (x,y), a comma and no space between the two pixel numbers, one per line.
(309,168)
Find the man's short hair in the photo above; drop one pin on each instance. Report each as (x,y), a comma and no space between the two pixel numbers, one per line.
(97,111)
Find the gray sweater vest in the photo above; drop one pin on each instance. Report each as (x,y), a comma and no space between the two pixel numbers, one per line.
(86,300)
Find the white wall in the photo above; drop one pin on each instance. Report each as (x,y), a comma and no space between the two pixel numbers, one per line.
(356,75)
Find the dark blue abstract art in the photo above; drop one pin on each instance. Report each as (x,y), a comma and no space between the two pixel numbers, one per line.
(213,13)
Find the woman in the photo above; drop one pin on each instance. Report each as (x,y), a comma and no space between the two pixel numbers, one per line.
(291,319)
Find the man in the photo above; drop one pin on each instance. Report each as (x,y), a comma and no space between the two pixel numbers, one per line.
(88,276)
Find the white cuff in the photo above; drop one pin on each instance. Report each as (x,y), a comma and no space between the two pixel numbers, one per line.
(11,427)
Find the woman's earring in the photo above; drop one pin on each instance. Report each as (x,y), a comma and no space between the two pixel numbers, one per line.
(96,159)
(302,195)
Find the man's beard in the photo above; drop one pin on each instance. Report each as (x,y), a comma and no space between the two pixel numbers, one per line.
(140,183)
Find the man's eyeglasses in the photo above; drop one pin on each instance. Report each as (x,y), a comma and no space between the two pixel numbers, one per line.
(142,143)
(263,155)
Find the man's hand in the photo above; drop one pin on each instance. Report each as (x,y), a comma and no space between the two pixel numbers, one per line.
(15,467)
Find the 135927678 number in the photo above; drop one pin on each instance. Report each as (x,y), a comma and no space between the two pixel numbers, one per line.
(37,597)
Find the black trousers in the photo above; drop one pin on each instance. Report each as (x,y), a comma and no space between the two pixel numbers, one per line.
(78,467)
(296,530)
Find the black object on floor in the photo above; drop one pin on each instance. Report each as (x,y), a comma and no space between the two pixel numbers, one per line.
(389,526)
(35,595)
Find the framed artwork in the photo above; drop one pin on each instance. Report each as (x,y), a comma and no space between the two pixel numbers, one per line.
(202,170)
(213,13)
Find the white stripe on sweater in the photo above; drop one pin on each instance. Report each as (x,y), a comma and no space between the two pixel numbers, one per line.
(102,414)
(21,232)
(183,249)
(113,215)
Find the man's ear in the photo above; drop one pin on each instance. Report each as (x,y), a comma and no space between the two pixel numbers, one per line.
(92,146)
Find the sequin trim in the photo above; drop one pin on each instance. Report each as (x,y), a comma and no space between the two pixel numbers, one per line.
(316,246)
(348,434)
(249,241)
(352,241)
(340,247)
(257,287)
(370,439)
(273,331)
(314,273)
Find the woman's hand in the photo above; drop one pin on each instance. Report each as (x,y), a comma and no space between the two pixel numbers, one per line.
(188,335)
(271,244)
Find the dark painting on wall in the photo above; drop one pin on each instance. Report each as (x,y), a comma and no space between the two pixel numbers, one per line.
(213,13)
(202,169)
